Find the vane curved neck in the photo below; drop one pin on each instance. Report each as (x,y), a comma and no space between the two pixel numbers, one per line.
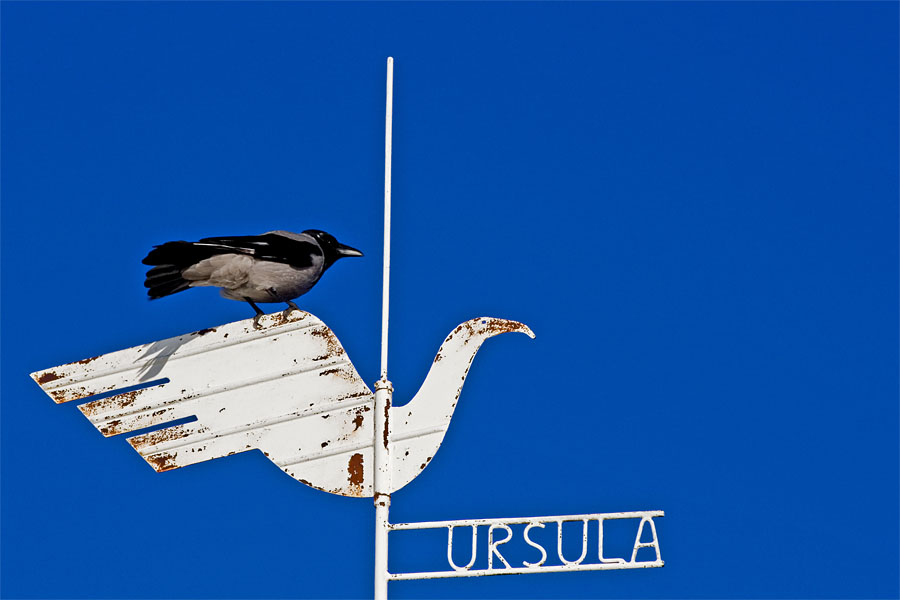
(418,428)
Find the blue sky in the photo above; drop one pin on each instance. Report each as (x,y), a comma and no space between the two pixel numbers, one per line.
(693,205)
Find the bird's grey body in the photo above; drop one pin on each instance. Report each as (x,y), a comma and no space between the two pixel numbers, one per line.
(276,266)
(243,277)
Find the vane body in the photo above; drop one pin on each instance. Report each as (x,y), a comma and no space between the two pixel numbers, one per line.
(287,389)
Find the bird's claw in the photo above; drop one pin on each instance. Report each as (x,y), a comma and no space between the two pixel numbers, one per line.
(287,311)
(256,324)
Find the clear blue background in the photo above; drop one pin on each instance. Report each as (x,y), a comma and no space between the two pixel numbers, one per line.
(694,206)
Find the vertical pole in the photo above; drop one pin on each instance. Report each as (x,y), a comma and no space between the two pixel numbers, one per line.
(386,278)
(383,388)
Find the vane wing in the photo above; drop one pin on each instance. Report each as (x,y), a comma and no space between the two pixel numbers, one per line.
(287,389)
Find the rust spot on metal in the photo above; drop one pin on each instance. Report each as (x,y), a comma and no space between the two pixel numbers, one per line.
(87,360)
(112,428)
(282,318)
(334,347)
(344,374)
(128,398)
(498,326)
(325,416)
(438,357)
(68,394)
(48,377)
(387,428)
(161,435)
(205,331)
(60,396)
(355,395)
(225,336)
(163,461)
(355,470)
(358,419)
(489,326)
(324,444)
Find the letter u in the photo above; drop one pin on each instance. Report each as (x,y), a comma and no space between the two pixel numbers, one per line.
(450,548)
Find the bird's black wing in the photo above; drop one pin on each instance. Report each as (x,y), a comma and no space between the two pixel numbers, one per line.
(273,247)
(270,246)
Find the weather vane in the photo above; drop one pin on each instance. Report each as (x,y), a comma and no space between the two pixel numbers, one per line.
(282,383)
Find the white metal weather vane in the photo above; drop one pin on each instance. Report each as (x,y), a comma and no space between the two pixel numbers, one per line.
(289,390)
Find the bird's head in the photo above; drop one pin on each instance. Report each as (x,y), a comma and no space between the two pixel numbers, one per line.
(332,248)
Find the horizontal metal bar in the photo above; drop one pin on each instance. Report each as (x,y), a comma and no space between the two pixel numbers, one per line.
(525,570)
(520,520)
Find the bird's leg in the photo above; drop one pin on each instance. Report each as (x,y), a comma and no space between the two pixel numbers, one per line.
(291,306)
(259,313)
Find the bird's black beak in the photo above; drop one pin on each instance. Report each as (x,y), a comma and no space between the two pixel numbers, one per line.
(343,250)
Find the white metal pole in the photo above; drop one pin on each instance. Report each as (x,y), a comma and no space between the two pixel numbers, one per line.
(386,279)
(383,388)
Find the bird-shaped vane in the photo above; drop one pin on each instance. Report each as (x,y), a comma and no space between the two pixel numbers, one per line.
(280,383)
(277,266)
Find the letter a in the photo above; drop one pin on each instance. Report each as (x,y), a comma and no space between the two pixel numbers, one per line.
(638,544)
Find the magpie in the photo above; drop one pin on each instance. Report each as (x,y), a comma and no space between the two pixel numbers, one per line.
(276,266)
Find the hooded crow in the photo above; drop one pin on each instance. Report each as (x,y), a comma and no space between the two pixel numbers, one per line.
(276,266)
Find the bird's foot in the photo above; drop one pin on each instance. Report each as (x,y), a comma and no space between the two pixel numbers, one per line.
(287,311)
(259,313)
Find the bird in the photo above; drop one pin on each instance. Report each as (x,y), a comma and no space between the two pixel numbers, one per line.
(277,266)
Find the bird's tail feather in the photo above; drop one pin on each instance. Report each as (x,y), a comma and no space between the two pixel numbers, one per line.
(165,280)
(169,260)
